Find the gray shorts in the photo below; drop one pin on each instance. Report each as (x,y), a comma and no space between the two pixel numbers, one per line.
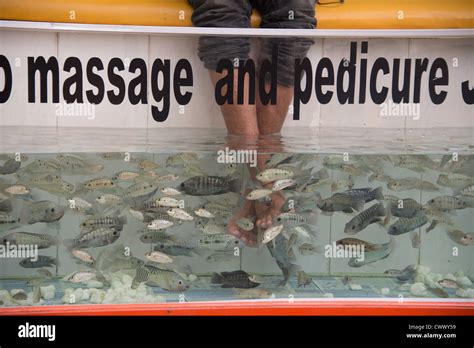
(277,14)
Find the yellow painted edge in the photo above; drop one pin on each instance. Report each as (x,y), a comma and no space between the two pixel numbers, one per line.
(353,14)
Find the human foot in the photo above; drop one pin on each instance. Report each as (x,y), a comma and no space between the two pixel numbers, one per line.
(248,237)
(266,214)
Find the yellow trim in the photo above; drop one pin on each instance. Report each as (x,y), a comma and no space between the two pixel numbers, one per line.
(352,14)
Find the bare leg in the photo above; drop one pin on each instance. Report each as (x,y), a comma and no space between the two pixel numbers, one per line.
(240,120)
(270,121)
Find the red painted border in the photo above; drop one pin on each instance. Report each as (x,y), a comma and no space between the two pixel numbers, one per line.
(327,308)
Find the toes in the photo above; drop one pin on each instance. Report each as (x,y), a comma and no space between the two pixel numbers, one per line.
(235,232)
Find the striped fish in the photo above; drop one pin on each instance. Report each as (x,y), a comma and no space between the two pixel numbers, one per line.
(209,185)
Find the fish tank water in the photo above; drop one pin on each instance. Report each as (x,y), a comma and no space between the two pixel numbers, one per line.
(97,216)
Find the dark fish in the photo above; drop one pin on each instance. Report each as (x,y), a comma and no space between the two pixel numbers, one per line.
(404,225)
(10,166)
(209,185)
(365,194)
(42,211)
(157,277)
(407,208)
(283,257)
(365,218)
(42,261)
(96,238)
(175,249)
(43,241)
(235,279)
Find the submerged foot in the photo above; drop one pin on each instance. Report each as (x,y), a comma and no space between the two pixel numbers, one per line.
(248,237)
(265,214)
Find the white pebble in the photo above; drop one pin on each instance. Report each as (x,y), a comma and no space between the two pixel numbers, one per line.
(127,280)
(18,294)
(355,286)
(67,298)
(328,295)
(78,294)
(109,298)
(4,294)
(463,281)
(459,274)
(465,293)
(96,295)
(86,294)
(418,289)
(437,277)
(423,269)
(405,287)
(48,292)
(192,277)
(385,291)
(94,284)
(116,284)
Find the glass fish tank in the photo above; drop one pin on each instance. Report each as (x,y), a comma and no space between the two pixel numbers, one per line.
(115,216)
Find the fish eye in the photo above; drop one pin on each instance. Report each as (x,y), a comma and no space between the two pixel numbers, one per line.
(161,246)
(52,210)
(353,227)
(180,282)
(115,233)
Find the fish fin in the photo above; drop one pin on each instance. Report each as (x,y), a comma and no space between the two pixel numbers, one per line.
(378,194)
(291,253)
(236,185)
(415,240)
(319,249)
(432,226)
(217,278)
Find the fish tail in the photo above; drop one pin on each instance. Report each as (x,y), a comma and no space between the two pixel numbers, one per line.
(217,278)
(377,193)
(235,185)
(69,243)
(381,211)
(319,249)
(293,269)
